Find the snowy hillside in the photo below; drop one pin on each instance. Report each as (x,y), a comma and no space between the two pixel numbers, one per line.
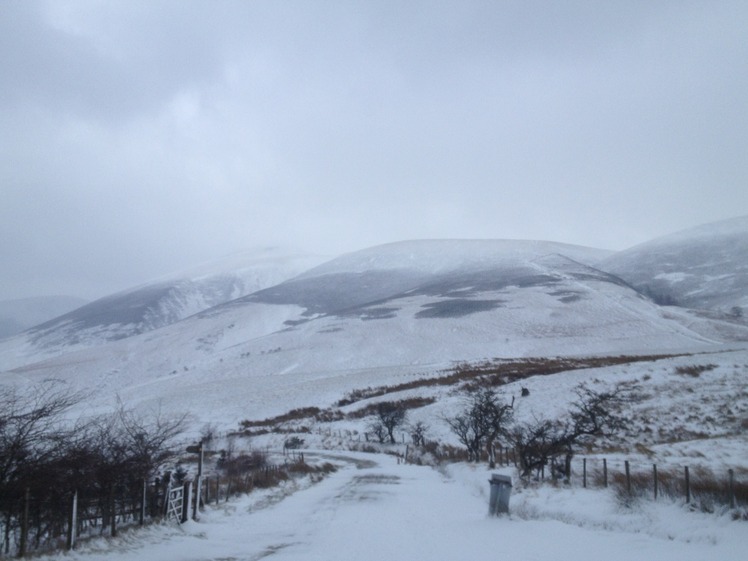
(704,267)
(156,304)
(379,316)
(18,315)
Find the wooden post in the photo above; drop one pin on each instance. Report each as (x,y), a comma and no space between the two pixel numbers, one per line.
(628,477)
(112,513)
(73,528)
(605,472)
(24,523)
(186,501)
(688,486)
(584,472)
(731,474)
(654,475)
(198,484)
(143,503)
(218,488)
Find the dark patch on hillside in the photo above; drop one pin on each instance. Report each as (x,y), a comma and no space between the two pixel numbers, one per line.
(379,313)
(458,307)
(120,309)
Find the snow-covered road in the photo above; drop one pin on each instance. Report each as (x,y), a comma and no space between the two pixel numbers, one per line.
(375,509)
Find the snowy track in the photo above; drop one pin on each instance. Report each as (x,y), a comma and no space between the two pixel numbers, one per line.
(375,509)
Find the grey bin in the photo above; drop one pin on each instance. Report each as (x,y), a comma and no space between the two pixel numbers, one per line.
(501,488)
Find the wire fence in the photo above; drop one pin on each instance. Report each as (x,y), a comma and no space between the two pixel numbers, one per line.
(35,520)
(701,487)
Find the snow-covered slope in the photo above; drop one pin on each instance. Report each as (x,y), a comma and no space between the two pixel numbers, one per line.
(19,315)
(156,304)
(704,267)
(374,317)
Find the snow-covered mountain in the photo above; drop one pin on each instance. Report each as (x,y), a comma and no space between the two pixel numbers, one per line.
(704,267)
(158,303)
(386,313)
(21,314)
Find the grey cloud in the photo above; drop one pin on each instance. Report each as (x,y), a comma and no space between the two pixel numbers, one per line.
(142,137)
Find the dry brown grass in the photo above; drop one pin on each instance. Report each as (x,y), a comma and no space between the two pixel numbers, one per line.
(694,370)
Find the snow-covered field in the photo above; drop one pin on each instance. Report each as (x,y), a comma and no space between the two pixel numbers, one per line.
(412,311)
(373,508)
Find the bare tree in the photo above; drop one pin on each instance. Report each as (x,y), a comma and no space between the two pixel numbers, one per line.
(106,458)
(483,419)
(541,441)
(379,430)
(536,442)
(390,415)
(31,428)
(418,433)
(593,413)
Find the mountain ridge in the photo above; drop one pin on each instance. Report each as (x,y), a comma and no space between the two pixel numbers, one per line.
(391,311)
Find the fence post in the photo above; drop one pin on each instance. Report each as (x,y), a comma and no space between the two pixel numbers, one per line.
(199,483)
(628,477)
(731,474)
(688,486)
(24,523)
(143,502)
(186,501)
(113,512)
(72,529)
(654,474)
(584,472)
(605,472)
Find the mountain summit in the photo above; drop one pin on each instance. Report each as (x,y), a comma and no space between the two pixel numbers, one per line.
(705,267)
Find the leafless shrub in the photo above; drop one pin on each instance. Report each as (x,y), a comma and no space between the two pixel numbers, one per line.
(106,459)
(404,404)
(694,370)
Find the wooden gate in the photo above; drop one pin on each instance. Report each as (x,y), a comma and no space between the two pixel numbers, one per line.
(175,503)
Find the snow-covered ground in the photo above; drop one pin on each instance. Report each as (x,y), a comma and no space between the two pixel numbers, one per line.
(373,508)
(406,312)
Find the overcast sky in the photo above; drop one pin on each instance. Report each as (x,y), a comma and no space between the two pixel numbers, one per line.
(141,138)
